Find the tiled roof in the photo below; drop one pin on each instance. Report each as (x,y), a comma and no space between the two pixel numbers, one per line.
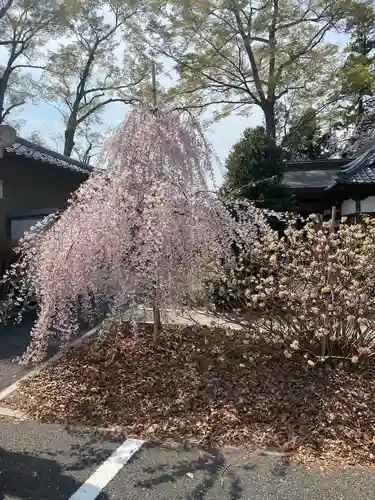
(312,174)
(359,171)
(27,149)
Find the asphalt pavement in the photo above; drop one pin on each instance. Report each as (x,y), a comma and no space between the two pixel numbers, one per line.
(162,472)
(51,462)
(48,462)
(14,340)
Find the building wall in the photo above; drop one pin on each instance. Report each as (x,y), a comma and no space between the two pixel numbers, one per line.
(368,205)
(27,186)
(365,206)
(348,207)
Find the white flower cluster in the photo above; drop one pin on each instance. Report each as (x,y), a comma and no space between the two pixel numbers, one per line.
(311,291)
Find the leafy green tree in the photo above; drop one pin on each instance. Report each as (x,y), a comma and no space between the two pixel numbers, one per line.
(25,28)
(85,73)
(235,54)
(354,114)
(306,139)
(255,171)
(358,71)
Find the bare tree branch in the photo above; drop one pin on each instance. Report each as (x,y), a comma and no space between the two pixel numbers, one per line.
(5,7)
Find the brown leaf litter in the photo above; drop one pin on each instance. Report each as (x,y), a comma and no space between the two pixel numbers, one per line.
(198,384)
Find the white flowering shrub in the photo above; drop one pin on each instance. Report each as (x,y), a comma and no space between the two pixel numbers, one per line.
(313,291)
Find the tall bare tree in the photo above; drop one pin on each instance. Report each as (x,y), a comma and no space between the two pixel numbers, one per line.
(86,73)
(237,54)
(25,28)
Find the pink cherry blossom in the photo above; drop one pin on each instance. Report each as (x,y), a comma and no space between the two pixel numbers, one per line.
(143,230)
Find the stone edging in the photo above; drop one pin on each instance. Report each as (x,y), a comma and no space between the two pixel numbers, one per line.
(35,371)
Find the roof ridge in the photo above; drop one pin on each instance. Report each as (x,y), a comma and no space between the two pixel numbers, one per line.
(26,149)
(317,161)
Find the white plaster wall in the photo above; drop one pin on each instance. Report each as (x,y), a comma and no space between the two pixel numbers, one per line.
(348,207)
(368,205)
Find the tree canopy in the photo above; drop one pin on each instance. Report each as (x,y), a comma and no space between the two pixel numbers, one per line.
(83,75)
(24,27)
(227,56)
(236,55)
(255,171)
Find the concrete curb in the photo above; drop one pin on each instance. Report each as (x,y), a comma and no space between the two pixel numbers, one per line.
(9,412)
(35,371)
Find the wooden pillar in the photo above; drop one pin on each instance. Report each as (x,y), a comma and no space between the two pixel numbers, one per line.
(333,218)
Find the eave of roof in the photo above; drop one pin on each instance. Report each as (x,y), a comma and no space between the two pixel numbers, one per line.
(27,149)
(312,174)
(308,165)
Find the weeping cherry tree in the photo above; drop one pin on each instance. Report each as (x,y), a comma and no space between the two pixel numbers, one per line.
(143,230)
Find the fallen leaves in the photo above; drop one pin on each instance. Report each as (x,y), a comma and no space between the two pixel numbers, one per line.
(207,391)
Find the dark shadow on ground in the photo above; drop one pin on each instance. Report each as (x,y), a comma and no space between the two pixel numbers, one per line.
(87,451)
(210,471)
(14,339)
(50,462)
(234,474)
(209,466)
(31,477)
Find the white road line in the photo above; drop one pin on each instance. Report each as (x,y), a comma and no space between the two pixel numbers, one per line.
(107,471)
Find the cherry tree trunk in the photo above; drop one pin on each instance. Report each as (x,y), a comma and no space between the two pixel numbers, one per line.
(157,323)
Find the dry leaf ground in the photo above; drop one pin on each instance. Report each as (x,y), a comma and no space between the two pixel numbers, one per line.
(198,384)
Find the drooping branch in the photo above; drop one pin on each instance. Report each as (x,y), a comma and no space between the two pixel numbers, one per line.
(145,224)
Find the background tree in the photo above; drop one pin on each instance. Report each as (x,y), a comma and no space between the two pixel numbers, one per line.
(236,54)
(85,74)
(25,27)
(307,140)
(88,143)
(255,170)
(36,138)
(5,5)
(358,72)
(353,116)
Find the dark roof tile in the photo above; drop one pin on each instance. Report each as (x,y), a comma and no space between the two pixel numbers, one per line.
(309,179)
(27,149)
(312,174)
(359,171)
